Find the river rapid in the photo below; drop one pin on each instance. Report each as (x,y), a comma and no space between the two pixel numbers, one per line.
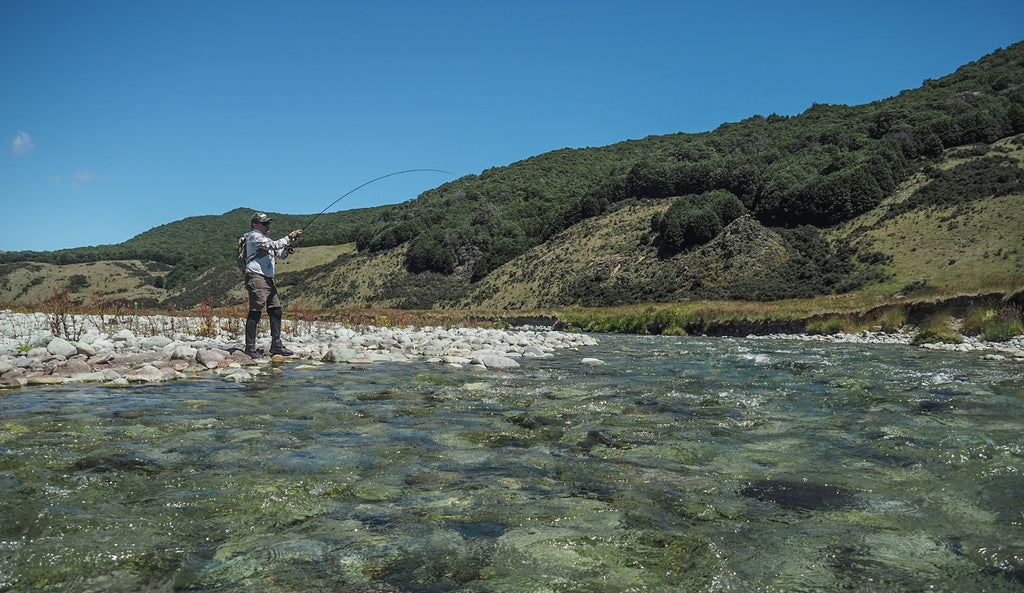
(678,464)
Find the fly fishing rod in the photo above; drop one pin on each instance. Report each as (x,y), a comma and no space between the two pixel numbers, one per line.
(368,183)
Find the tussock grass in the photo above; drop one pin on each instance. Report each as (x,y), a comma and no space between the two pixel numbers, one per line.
(887,319)
(938,329)
(832,325)
(698,316)
(994,325)
(891,319)
(1003,329)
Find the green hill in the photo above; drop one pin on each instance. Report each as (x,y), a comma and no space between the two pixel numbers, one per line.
(914,190)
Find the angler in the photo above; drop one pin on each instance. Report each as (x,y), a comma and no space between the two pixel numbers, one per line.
(256,256)
(261,253)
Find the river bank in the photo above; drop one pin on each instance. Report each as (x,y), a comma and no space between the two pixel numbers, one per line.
(42,349)
(1008,350)
(158,348)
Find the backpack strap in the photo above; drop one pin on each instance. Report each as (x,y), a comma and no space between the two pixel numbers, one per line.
(257,254)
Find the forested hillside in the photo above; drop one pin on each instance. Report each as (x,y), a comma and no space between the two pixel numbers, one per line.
(822,167)
(795,177)
(198,243)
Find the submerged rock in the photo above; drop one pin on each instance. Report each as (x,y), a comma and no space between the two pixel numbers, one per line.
(339,354)
(370,588)
(799,495)
(110,463)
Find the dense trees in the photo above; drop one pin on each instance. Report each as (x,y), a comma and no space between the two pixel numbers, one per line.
(429,252)
(694,220)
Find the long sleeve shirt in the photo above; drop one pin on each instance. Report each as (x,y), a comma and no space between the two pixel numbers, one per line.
(261,252)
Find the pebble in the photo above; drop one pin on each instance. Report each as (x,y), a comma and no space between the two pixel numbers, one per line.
(155,349)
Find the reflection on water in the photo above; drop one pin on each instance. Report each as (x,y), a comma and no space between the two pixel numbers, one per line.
(683,464)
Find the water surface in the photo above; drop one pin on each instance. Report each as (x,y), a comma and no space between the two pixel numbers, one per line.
(682,464)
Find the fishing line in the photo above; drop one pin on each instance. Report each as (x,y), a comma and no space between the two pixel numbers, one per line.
(368,183)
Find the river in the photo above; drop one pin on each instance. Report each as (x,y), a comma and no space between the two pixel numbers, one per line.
(680,464)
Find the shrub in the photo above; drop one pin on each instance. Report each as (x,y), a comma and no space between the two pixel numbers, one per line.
(77,282)
(994,326)
(976,179)
(937,329)
(58,309)
(693,220)
(976,319)
(1003,326)
(827,326)
(726,205)
(892,319)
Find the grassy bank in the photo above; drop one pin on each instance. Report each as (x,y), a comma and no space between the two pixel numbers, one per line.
(995,316)
(992,317)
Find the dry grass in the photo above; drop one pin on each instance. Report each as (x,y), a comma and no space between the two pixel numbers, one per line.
(971,249)
(827,315)
(311,257)
(128,280)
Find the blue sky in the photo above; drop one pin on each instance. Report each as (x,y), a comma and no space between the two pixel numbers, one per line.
(119,116)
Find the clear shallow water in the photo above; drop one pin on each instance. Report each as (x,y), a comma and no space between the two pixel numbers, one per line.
(683,464)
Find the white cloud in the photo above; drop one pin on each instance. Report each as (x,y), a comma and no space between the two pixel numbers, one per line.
(83,176)
(78,180)
(22,144)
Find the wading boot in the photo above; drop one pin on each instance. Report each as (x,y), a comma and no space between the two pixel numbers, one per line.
(276,345)
(252,323)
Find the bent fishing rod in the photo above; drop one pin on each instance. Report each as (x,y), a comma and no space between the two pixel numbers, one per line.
(368,183)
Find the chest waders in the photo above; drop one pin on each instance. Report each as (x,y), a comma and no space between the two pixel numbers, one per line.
(252,323)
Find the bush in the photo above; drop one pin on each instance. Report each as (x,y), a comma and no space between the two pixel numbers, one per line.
(828,326)
(892,319)
(699,227)
(996,327)
(976,319)
(976,179)
(726,205)
(77,282)
(937,329)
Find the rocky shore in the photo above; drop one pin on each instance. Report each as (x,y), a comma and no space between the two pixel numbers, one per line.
(152,349)
(1009,350)
(43,349)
